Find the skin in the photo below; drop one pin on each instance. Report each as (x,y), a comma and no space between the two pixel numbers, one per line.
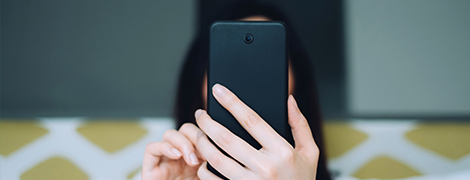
(184,153)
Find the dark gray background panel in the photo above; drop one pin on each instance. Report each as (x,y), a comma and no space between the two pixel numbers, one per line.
(92,58)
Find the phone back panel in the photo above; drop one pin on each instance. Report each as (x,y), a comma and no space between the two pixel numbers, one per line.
(256,72)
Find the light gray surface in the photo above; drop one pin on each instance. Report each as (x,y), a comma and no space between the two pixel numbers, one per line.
(408,58)
(87,58)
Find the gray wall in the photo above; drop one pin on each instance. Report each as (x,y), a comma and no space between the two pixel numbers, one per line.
(121,58)
(408,58)
(92,58)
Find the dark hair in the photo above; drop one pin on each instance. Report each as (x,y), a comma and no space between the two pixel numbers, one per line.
(189,96)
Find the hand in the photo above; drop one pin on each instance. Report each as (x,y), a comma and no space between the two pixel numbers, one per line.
(175,157)
(277,159)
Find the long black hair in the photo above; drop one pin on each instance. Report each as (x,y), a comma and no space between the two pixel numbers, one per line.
(189,96)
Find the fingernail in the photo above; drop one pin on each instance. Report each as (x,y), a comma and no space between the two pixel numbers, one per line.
(193,158)
(293,101)
(176,152)
(219,90)
(198,113)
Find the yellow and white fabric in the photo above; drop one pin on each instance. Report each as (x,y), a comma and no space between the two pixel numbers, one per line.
(102,149)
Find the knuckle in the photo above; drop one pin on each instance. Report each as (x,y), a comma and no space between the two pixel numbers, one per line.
(186,126)
(286,155)
(148,148)
(216,160)
(168,133)
(303,122)
(268,171)
(316,150)
(151,146)
(315,153)
(230,101)
(251,120)
(224,139)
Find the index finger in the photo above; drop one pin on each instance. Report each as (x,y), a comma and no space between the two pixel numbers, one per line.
(249,119)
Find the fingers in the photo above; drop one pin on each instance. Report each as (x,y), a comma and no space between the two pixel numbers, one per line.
(249,119)
(153,153)
(229,142)
(190,131)
(226,166)
(183,144)
(204,173)
(301,132)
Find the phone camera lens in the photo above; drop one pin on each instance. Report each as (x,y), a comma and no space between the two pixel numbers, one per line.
(248,38)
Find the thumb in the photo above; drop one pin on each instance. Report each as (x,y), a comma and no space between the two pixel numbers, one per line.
(300,129)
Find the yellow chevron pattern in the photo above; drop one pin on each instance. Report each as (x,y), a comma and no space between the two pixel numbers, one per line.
(80,148)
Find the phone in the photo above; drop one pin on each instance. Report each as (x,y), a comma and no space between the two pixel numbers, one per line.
(250,58)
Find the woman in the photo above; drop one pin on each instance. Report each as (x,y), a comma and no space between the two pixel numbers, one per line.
(183,153)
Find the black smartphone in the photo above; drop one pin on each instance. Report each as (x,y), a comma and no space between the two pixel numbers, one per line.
(250,59)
